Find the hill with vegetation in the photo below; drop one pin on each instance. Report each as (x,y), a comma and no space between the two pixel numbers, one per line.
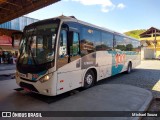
(135,33)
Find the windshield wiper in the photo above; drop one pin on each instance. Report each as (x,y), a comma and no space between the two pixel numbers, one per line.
(29,47)
(34,60)
(32,56)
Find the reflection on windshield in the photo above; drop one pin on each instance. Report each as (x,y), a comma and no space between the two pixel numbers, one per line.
(38,45)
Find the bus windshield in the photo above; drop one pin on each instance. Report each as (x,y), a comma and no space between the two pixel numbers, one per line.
(38,45)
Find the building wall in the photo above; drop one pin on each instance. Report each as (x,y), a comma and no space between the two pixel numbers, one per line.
(18,23)
(151,46)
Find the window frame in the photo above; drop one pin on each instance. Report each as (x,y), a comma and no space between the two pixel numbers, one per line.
(79,52)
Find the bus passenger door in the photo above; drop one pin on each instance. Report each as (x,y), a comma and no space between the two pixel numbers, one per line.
(69,68)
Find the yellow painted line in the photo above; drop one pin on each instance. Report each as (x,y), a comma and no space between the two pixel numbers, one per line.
(156,87)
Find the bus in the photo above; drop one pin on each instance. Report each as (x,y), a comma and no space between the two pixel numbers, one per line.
(63,53)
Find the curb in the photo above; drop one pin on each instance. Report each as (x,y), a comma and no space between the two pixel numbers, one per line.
(146,105)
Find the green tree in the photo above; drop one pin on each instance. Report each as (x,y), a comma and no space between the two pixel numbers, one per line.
(121,47)
(135,33)
(129,47)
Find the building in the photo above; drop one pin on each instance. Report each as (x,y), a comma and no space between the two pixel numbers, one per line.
(150,41)
(6,30)
(18,23)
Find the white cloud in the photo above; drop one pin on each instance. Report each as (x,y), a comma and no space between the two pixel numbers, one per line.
(106,5)
(95,2)
(123,30)
(107,8)
(121,6)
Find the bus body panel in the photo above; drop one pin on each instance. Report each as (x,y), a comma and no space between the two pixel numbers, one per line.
(69,76)
(104,61)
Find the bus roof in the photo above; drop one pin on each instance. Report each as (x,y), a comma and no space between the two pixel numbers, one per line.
(73,19)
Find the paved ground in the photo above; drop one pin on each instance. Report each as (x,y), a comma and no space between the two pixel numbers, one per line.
(6,70)
(145,76)
(7,67)
(106,97)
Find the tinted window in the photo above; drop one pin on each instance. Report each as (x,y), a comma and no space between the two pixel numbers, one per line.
(136,46)
(126,44)
(107,41)
(74,49)
(120,43)
(97,38)
(73,26)
(63,43)
(87,41)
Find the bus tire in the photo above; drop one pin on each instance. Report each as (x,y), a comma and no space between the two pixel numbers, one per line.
(129,68)
(89,79)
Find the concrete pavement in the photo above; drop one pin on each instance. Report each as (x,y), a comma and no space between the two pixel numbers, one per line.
(7,72)
(107,97)
(7,69)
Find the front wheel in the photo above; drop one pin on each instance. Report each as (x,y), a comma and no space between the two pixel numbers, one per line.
(89,79)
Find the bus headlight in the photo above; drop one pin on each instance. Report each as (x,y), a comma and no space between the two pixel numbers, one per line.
(45,78)
(17,74)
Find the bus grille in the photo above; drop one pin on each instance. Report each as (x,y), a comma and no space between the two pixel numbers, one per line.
(28,80)
(28,86)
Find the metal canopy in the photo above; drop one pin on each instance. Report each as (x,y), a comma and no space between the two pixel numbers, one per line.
(11,9)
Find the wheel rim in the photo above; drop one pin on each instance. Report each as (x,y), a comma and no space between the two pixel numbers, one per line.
(129,68)
(89,79)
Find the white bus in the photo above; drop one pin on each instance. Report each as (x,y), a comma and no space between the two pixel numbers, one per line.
(61,54)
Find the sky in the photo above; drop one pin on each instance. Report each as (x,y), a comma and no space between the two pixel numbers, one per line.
(117,15)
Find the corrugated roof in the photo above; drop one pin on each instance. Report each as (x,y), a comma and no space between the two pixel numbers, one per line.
(10,9)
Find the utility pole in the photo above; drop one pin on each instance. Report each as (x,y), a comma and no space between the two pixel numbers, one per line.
(155,43)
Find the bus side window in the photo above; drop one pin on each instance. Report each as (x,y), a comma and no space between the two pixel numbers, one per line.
(63,44)
(63,55)
(107,41)
(74,48)
(120,43)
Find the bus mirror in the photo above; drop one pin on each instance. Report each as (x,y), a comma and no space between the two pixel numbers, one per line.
(12,41)
(16,37)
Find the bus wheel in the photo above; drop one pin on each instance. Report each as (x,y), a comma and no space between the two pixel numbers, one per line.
(129,68)
(89,79)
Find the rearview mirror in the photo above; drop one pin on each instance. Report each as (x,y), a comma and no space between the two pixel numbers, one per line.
(16,38)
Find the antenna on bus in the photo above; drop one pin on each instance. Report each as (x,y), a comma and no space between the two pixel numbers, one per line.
(73,17)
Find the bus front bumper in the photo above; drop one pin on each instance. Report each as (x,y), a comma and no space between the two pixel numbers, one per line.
(46,88)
